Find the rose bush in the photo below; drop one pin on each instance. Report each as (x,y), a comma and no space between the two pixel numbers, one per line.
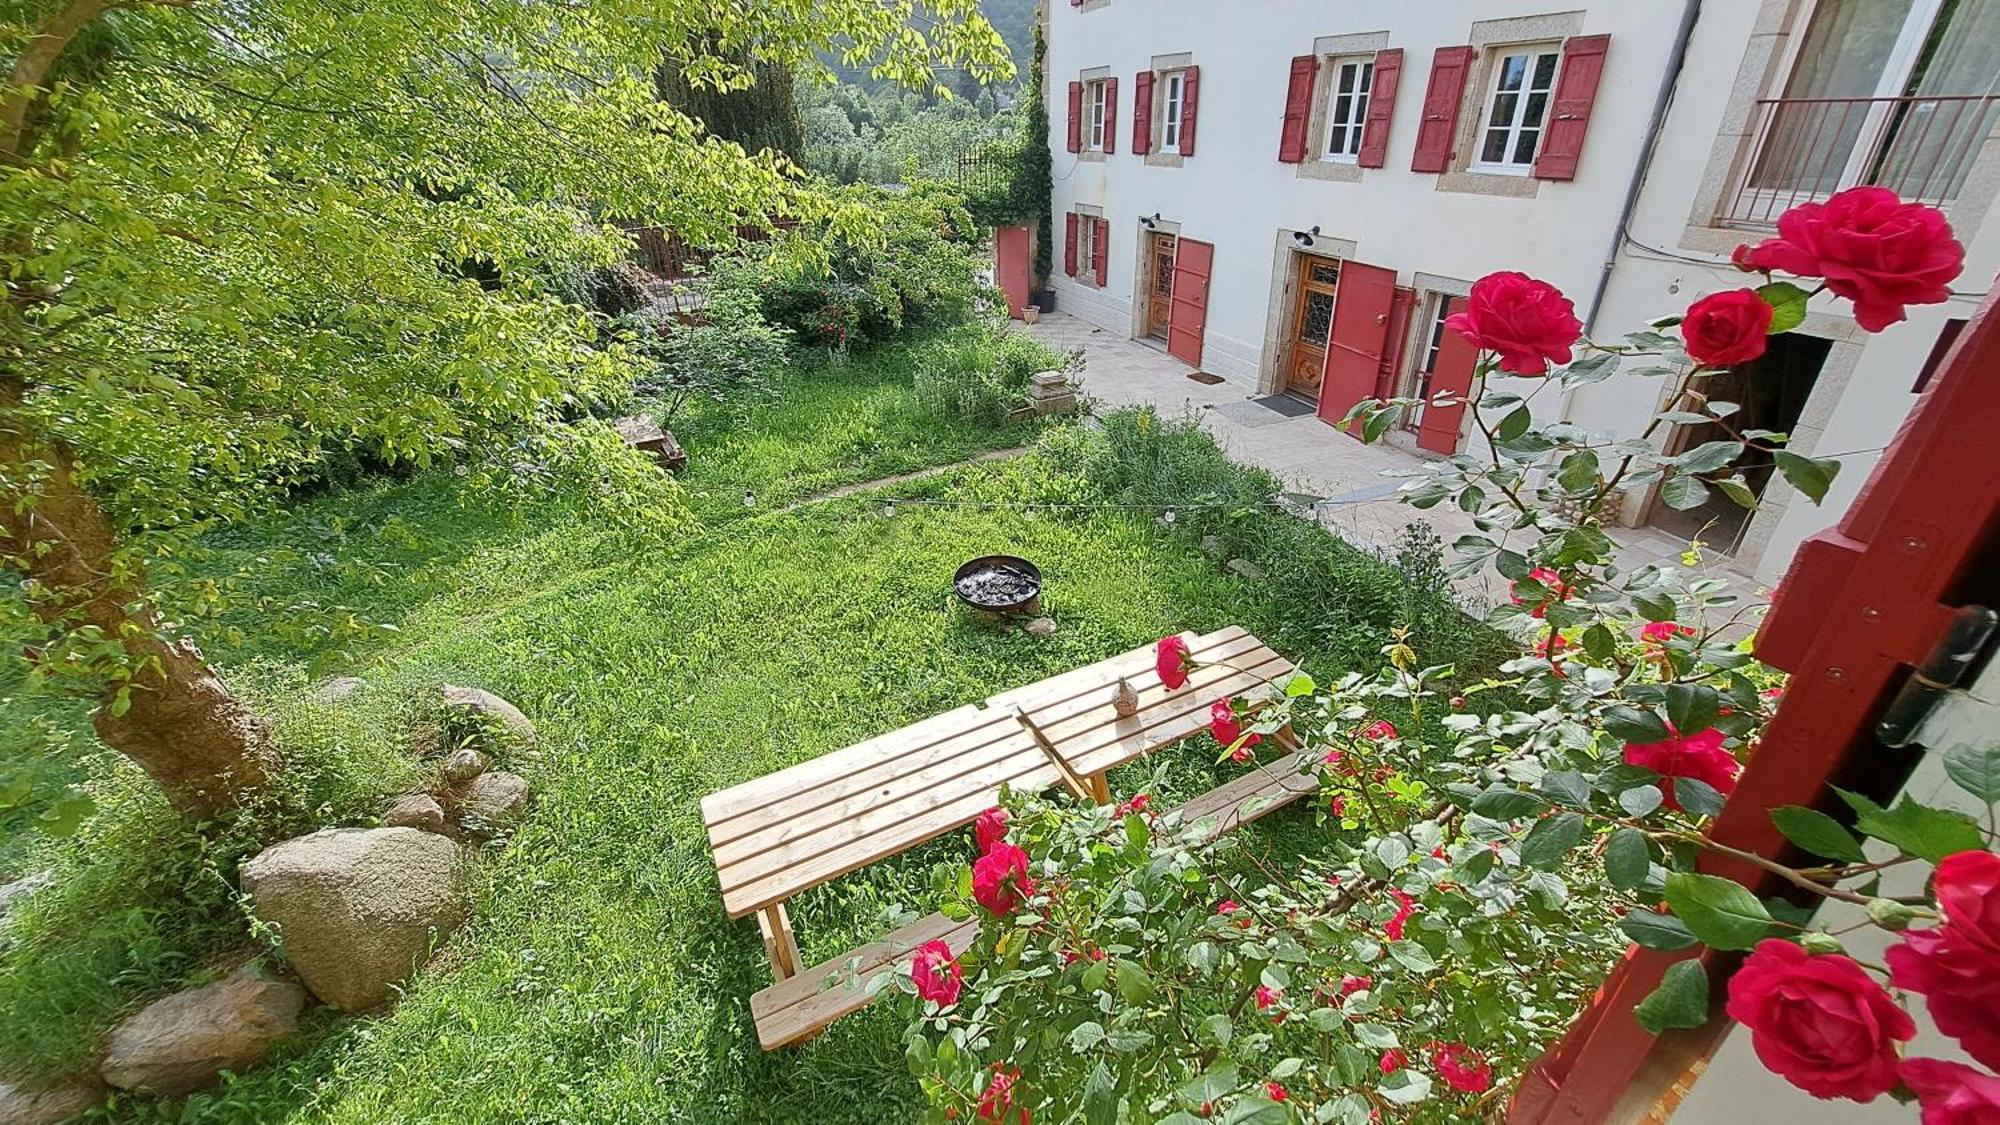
(1133,966)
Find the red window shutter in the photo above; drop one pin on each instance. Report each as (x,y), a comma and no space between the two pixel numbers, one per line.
(1076,117)
(1439,126)
(1190,86)
(1381,106)
(1438,429)
(1576,91)
(1142,113)
(1400,305)
(1100,251)
(1069,243)
(1110,115)
(1298,109)
(1358,340)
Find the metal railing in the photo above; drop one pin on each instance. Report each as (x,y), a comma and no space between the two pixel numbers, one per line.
(1804,149)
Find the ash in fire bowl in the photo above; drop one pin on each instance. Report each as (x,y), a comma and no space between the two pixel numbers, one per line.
(998,582)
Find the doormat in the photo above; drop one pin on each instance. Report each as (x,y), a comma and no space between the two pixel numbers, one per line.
(1204,377)
(1285,404)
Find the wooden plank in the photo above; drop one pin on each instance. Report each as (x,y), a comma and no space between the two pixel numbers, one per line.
(780,945)
(1055,757)
(1244,799)
(1111,747)
(796,1009)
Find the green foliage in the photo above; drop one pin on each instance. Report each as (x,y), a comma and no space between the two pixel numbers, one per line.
(754,107)
(731,351)
(985,377)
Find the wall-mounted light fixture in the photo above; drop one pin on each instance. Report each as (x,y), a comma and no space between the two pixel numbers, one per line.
(1303,239)
(1150,222)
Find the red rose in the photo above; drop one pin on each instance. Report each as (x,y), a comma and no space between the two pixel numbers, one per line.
(1275,1092)
(1727,328)
(1462,1068)
(1952,1093)
(1267,996)
(937,973)
(1660,632)
(1871,247)
(1819,1022)
(1968,891)
(1352,984)
(1530,323)
(1392,1060)
(1379,730)
(990,828)
(1170,660)
(1753,259)
(1548,580)
(998,1097)
(1700,756)
(1000,879)
(1405,906)
(1223,725)
(1960,983)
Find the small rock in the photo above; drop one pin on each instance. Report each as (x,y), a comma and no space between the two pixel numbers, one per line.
(464,765)
(415,810)
(1244,568)
(492,802)
(1041,627)
(1124,700)
(12,894)
(1213,546)
(339,688)
(49,1105)
(491,706)
(183,1043)
(358,908)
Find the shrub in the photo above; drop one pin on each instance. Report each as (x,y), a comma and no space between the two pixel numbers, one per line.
(983,375)
(733,351)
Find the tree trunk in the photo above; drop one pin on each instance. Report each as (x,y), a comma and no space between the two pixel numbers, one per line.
(201,743)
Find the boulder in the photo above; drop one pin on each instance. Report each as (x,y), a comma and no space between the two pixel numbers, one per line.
(463,764)
(358,908)
(492,803)
(181,1044)
(415,810)
(21,1104)
(488,705)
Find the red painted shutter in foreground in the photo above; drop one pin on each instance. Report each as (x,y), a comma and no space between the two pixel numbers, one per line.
(1142,113)
(1187,318)
(1190,87)
(1439,126)
(1076,117)
(1576,92)
(1399,334)
(1438,431)
(1360,337)
(1381,105)
(1100,250)
(1110,115)
(1069,243)
(1298,109)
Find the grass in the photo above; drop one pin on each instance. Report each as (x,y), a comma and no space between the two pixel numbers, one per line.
(600,980)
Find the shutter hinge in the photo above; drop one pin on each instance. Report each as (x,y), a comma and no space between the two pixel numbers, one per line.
(1926,709)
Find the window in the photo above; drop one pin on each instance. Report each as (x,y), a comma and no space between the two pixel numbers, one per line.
(1428,345)
(1516,110)
(1086,248)
(1170,111)
(1347,107)
(1095,99)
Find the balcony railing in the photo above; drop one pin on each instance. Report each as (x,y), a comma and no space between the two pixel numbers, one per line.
(1808,148)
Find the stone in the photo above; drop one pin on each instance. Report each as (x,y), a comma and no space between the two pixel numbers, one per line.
(1060,404)
(1041,627)
(641,432)
(492,802)
(339,688)
(463,764)
(1213,546)
(1124,700)
(12,894)
(358,908)
(415,810)
(181,1044)
(21,1104)
(486,704)
(1042,383)
(1244,568)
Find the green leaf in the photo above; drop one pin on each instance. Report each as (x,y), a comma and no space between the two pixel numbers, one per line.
(1085,1035)
(1256,1110)
(1502,803)
(1136,831)
(1818,833)
(1412,956)
(1811,476)
(1567,787)
(1680,1001)
(1513,425)
(1375,1035)
(1593,368)
(1682,492)
(1218,1081)
(1641,800)
(1201,957)
(1551,839)
(1578,472)
(1407,1086)
(1100,1096)
(1788,305)
(1663,932)
(1915,829)
(1738,491)
(1719,912)
(1692,708)
(1300,684)
(1708,456)
(1630,724)
(1975,769)
(1655,608)
(1627,858)
(1697,796)
(1134,985)
(1599,643)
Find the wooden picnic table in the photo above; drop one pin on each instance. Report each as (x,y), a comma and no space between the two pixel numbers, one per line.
(795,829)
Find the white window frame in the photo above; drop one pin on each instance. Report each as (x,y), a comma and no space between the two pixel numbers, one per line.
(1086,248)
(1095,96)
(1430,341)
(1342,143)
(1516,124)
(1173,109)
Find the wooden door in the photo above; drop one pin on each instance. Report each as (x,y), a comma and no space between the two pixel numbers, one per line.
(1312,321)
(1359,338)
(1011,251)
(1188,322)
(1160,277)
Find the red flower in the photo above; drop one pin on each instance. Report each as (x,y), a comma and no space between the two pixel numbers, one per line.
(1530,323)
(1550,647)
(1405,906)
(1700,756)
(1227,907)
(1968,892)
(998,1097)
(1871,247)
(1241,754)
(1223,725)
(1550,581)
(1379,730)
(1170,660)
(1727,328)
(1462,1068)
(1960,983)
(1135,805)
(1000,879)
(1952,1093)
(937,973)
(1275,1092)
(1337,806)
(1660,632)
(1819,1022)
(1392,1061)
(1349,985)
(1267,996)
(990,828)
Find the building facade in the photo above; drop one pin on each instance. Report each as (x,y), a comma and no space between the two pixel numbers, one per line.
(1293,196)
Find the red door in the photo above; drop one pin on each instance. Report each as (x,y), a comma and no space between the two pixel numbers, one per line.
(1193,262)
(1359,339)
(1438,429)
(1010,265)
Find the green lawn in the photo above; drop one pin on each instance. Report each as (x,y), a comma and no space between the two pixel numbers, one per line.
(600,981)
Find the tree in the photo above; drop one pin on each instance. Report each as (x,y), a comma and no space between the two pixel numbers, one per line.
(242,239)
(762,116)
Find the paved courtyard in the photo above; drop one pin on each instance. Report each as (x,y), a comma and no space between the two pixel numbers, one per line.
(1357,502)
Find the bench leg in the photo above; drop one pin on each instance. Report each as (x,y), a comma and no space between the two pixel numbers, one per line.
(779,944)
(1100,790)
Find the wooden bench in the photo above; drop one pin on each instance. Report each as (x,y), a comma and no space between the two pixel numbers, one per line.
(814,822)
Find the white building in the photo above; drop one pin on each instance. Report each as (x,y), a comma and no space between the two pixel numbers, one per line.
(1290,195)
